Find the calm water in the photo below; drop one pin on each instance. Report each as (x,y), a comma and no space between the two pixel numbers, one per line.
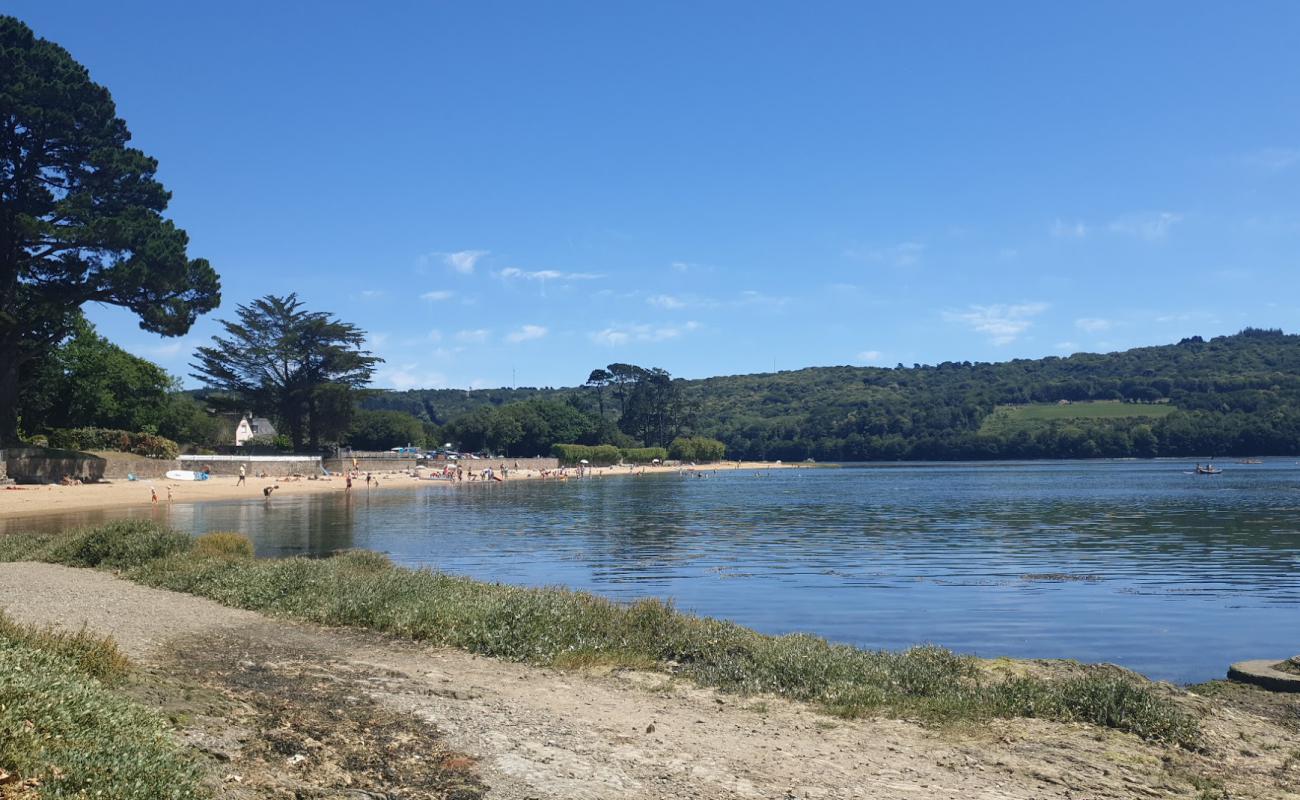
(1137,563)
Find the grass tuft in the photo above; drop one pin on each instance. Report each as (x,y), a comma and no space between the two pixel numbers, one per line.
(92,655)
(224,545)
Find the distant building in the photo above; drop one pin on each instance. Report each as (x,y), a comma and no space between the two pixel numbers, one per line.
(247,429)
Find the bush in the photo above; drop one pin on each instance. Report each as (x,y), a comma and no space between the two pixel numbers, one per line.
(225,545)
(644,455)
(142,444)
(117,545)
(598,455)
(697,448)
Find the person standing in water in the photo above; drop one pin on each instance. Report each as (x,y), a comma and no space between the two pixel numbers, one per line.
(242,476)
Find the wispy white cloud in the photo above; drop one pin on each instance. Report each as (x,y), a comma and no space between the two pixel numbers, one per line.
(172,348)
(376,340)
(475,336)
(463,261)
(1151,226)
(410,376)
(526,333)
(667,302)
(371,294)
(1003,324)
(1093,324)
(869,356)
(513,273)
(1272,159)
(622,334)
(750,297)
(1062,229)
(1067,347)
(437,295)
(903,254)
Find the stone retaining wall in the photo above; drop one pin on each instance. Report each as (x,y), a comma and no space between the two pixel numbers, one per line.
(275,466)
(37,465)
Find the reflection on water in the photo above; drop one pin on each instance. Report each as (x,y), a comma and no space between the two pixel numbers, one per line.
(1133,562)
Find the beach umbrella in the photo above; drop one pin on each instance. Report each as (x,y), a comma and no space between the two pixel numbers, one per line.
(584,461)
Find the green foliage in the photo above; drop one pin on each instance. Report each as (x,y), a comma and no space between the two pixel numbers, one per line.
(141,444)
(82,216)
(60,726)
(643,455)
(601,455)
(526,428)
(1232,395)
(224,544)
(1011,419)
(698,449)
(280,357)
(276,442)
(115,545)
(383,430)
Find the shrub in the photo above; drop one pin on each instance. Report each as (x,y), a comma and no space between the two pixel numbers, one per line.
(223,544)
(697,448)
(142,444)
(598,455)
(118,545)
(644,455)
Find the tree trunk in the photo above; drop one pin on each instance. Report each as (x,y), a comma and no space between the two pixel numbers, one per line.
(8,397)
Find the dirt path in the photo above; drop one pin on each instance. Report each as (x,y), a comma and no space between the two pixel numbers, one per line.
(538,733)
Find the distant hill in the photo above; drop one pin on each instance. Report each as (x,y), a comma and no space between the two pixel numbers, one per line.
(1231,395)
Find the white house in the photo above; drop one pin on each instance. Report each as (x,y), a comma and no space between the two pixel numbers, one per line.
(258,426)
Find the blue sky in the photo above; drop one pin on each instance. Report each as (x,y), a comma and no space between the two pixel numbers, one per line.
(522,192)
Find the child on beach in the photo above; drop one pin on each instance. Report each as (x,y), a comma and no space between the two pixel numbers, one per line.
(153,495)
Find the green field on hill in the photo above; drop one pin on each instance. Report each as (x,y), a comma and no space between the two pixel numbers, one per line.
(1010,419)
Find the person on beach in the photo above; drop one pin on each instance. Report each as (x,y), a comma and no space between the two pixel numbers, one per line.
(266,491)
(169,495)
(348,486)
(242,476)
(153,495)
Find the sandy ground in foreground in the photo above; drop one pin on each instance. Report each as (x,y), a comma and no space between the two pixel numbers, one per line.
(546,734)
(24,501)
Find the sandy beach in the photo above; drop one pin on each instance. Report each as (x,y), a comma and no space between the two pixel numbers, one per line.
(28,501)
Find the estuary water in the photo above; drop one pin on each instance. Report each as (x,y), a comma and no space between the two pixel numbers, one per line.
(1137,563)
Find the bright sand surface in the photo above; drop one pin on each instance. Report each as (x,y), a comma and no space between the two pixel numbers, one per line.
(28,501)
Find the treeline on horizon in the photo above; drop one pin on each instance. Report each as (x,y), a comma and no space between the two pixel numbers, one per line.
(1232,396)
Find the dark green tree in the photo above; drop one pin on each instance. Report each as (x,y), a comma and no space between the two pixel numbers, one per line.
(278,358)
(80,216)
(383,430)
(598,380)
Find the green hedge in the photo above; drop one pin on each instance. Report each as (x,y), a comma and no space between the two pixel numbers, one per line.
(599,455)
(142,444)
(644,455)
(697,448)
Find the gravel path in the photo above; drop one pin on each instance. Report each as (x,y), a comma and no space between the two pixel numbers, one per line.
(539,733)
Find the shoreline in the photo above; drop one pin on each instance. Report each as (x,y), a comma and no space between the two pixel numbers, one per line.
(34,500)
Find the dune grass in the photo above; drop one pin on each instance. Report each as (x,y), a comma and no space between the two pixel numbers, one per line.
(559,627)
(68,736)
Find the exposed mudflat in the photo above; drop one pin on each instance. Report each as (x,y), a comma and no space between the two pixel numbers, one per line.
(284,709)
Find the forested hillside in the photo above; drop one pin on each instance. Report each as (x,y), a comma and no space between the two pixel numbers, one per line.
(1232,395)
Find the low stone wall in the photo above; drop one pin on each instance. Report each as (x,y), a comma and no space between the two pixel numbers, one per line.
(37,465)
(275,466)
(119,468)
(365,464)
